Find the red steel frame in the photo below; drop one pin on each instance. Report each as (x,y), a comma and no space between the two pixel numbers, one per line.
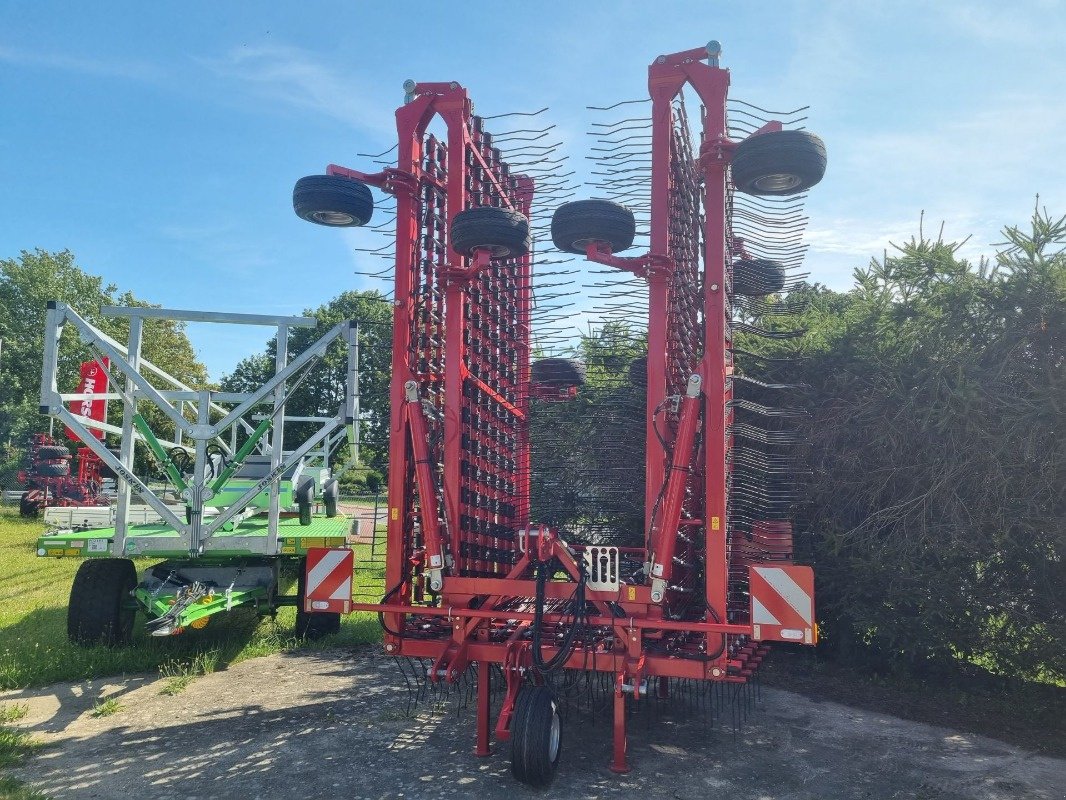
(459,568)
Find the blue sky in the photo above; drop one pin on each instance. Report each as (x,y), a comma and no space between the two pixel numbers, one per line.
(160,141)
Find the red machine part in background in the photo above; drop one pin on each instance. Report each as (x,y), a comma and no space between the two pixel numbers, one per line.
(93,381)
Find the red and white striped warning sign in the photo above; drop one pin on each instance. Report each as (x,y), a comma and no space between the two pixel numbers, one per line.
(782,603)
(329,580)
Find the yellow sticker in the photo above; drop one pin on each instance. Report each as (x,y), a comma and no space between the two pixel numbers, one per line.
(395,513)
(289,549)
(312,541)
(72,551)
(716,523)
(631,592)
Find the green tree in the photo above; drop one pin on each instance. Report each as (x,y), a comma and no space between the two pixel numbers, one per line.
(27,283)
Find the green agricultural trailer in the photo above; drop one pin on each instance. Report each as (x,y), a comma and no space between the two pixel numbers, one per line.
(241,507)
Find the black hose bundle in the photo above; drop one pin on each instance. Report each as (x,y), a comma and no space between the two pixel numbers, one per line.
(577,622)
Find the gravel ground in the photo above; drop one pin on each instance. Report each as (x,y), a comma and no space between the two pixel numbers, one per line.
(332,724)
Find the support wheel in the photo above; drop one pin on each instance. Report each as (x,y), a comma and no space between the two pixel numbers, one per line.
(28,507)
(502,231)
(536,736)
(57,469)
(778,163)
(333,200)
(561,373)
(576,225)
(101,610)
(758,276)
(305,498)
(49,452)
(312,626)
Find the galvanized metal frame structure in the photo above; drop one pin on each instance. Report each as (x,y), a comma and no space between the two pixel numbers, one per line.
(229,408)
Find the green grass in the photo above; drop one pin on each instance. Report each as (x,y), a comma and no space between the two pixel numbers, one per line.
(34,650)
(15,747)
(105,708)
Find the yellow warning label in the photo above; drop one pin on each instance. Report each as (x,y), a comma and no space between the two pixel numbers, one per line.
(716,523)
(71,551)
(312,541)
(289,549)
(395,513)
(631,592)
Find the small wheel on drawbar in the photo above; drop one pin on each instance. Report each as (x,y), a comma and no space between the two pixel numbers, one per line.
(503,232)
(778,163)
(559,373)
(536,736)
(332,200)
(580,223)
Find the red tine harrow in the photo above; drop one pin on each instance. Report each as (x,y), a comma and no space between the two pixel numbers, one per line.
(474,578)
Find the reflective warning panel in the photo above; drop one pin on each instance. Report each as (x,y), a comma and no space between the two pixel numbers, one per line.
(329,580)
(782,604)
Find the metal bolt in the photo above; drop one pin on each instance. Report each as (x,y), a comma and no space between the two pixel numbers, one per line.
(716,673)
(714,287)
(389,648)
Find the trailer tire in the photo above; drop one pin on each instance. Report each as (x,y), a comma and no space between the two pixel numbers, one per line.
(49,452)
(502,231)
(330,496)
(576,224)
(758,276)
(59,469)
(559,373)
(27,507)
(778,163)
(333,201)
(99,611)
(536,736)
(308,625)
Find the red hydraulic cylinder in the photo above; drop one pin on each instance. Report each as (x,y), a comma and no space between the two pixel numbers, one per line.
(664,531)
(427,489)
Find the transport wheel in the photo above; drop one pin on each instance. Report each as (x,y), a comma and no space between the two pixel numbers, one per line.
(57,470)
(758,276)
(100,610)
(558,372)
(536,736)
(504,232)
(312,626)
(332,200)
(48,452)
(778,163)
(575,225)
(27,506)
(330,495)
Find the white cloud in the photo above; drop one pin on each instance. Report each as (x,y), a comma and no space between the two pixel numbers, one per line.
(293,76)
(105,67)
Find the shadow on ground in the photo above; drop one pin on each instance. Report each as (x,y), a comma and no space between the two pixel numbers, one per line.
(332,724)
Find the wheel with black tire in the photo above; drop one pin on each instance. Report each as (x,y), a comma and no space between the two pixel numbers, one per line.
(503,232)
(57,469)
(304,494)
(312,625)
(758,276)
(330,496)
(778,163)
(49,452)
(536,736)
(101,610)
(561,373)
(580,223)
(332,200)
(28,506)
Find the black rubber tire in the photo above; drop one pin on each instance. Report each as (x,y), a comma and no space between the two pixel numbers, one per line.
(333,201)
(576,224)
(758,276)
(778,163)
(304,491)
(59,469)
(504,232)
(305,513)
(560,373)
(100,610)
(312,626)
(49,452)
(330,496)
(536,715)
(28,508)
